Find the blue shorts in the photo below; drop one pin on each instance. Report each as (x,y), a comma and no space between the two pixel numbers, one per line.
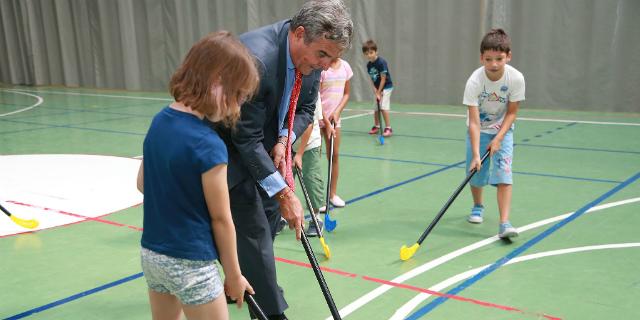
(501,168)
(191,281)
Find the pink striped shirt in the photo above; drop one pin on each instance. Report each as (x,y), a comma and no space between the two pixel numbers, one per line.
(332,82)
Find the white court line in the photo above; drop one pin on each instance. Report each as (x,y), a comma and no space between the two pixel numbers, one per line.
(398,112)
(94,95)
(406,309)
(357,115)
(358,303)
(456,115)
(582,121)
(345,118)
(40,101)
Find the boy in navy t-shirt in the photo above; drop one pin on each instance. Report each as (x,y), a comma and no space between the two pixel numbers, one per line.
(382,85)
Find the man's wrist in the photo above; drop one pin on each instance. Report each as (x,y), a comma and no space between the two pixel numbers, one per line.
(282,140)
(284,193)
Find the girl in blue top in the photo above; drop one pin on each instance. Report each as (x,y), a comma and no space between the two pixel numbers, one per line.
(187,219)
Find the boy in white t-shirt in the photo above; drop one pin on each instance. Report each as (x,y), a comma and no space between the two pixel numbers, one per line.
(493,93)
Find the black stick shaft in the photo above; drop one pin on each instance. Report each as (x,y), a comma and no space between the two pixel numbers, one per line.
(330,169)
(5,211)
(320,278)
(450,201)
(308,200)
(379,118)
(255,308)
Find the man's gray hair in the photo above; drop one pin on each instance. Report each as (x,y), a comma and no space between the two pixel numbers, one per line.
(328,18)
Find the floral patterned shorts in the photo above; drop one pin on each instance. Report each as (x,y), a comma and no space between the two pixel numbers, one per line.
(191,281)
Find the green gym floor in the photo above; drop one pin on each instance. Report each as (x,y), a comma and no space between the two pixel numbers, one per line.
(69,157)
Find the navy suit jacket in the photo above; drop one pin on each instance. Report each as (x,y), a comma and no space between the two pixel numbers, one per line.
(256,132)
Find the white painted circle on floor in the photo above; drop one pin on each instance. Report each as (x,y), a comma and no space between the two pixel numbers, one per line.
(58,189)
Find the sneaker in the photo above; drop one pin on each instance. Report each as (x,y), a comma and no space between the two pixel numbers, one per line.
(323,209)
(312,231)
(374,130)
(281,224)
(388,132)
(507,231)
(476,214)
(337,202)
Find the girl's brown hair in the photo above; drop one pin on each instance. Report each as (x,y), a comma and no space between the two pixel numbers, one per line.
(217,59)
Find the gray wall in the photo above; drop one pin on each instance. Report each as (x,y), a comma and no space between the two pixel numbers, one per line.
(575,54)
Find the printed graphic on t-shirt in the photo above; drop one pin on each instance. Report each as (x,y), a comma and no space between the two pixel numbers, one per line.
(492,108)
(374,74)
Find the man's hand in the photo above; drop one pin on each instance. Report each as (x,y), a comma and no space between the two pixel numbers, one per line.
(291,209)
(278,155)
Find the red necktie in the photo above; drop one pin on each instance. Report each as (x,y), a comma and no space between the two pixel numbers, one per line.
(293,101)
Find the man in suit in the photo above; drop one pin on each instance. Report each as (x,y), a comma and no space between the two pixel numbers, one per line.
(319,33)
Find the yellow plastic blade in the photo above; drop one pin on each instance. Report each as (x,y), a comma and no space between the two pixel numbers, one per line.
(325,247)
(29,224)
(407,252)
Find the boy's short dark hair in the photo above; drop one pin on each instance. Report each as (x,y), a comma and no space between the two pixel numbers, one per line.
(369,45)
(497,40)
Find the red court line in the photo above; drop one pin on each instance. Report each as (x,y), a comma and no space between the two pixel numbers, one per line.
(113,223)
(418,289)
(306,265)
(330,270)
(459,298)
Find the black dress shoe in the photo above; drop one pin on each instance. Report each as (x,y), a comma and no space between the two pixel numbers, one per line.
(273,317)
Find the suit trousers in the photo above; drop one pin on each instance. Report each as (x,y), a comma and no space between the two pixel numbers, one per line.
(256,217)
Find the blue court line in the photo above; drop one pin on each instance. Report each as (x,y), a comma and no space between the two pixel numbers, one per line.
(393,186)
(52,126)
(548,132)
(408,136)
(392,160)
(74,297)
(518,144)
(460,166)
(41,114)
(500,262)
(138,275)
(135,276)
(24,130)
(71,110)
(458,139)
(577,148)
(566,177)
(2,104)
